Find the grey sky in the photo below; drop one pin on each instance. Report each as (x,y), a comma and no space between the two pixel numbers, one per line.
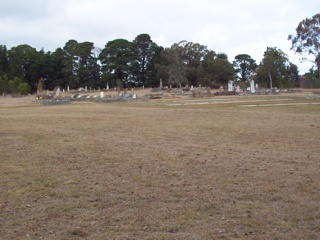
(229,26)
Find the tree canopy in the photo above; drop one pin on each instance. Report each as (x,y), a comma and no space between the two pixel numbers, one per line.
(126,63)
(275,70)
(307,38)
(244,67)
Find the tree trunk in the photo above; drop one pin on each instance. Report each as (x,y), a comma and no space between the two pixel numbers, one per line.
(270,77)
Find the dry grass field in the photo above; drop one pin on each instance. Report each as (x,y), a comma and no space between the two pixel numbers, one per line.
(173,168)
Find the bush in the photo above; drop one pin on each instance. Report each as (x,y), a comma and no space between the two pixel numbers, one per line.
(24,89)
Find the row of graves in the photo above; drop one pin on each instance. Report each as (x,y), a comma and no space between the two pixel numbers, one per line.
(253,89)
(82,94)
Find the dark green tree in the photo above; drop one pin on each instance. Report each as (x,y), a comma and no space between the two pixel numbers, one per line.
(4,62)
(184,59)
(69,64)
(216,69)
(292,76)
(157,68)
(24,64)
(176,68)
(4,84)
(145,49)
(14,84)
(120,61)
(272,71)
(307,39)
(244,66)
(24,89)
(87,68)
(55,70)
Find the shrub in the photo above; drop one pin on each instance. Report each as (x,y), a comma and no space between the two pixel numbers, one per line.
(24,89)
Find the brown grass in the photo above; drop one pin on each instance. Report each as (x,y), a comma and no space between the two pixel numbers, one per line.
(147,170)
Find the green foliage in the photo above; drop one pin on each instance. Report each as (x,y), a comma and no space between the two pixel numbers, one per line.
(24,63)
(272,69)
(145,49)
(4,86)
(143,62)
(14,84)
(192,63)
(216,69)
(24,89)
(120,59)
(307,39)
(177,69)
(244,67)
(4,61)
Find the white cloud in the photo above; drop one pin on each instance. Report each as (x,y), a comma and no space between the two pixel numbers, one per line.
(228,26)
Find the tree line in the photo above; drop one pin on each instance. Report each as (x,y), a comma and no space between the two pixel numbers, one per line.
(141,62)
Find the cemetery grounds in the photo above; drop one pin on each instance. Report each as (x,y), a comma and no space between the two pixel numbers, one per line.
(227,167)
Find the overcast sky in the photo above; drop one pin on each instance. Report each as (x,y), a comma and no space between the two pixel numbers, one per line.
(229,26)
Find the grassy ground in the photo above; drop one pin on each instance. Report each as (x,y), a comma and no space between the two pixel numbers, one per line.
(160,170)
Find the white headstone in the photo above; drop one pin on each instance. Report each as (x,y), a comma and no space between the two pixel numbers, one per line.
(238,89)
(252,89)
(134,95)
(230,86)
(68,88)
(101,94)
(58,92)
(191,87)
(47,92)
(107,86)
(86,88)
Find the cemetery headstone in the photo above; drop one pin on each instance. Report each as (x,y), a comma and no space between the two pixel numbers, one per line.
(230,86)
(252,89)
(58,92)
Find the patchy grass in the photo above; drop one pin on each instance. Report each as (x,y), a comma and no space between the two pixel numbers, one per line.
(147,170)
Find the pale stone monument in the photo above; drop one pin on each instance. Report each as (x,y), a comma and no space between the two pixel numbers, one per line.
(107,87)
(252,87)
(68,89)
(230,86)
(238,89)
(58,92)
(160,83)
(101,94)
